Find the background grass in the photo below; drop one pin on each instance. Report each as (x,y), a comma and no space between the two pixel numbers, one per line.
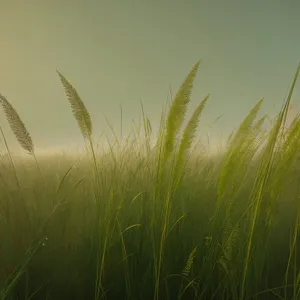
(154,222)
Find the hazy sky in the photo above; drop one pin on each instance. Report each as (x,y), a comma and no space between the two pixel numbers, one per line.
(120,52)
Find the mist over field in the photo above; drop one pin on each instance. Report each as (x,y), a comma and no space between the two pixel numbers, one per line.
(124,52)
(149,150)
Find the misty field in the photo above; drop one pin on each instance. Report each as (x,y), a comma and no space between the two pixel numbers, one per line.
(163,221)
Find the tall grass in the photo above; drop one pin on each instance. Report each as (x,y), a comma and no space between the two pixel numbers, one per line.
(157,222)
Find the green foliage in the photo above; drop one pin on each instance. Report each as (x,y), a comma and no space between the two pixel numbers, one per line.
(151,210)
(178,110)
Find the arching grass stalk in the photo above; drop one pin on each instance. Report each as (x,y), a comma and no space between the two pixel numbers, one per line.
(263,175)
(84,123)
(22,135)
(25,141)
(18,128)
(174,122)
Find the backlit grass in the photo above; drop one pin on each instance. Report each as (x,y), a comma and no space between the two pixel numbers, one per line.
(154,222)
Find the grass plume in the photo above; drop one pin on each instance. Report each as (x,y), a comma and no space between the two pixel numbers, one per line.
(17,125)
(80,112)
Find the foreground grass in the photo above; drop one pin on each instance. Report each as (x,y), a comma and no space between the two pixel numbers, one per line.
(162,222)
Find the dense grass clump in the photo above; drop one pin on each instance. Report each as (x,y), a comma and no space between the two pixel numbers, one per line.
(163,221)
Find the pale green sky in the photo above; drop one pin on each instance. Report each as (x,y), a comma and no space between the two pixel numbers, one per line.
(118,52)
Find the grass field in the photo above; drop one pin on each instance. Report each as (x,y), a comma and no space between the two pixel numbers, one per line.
(154,222)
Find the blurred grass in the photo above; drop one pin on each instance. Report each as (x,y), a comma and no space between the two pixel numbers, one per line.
(155,222)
